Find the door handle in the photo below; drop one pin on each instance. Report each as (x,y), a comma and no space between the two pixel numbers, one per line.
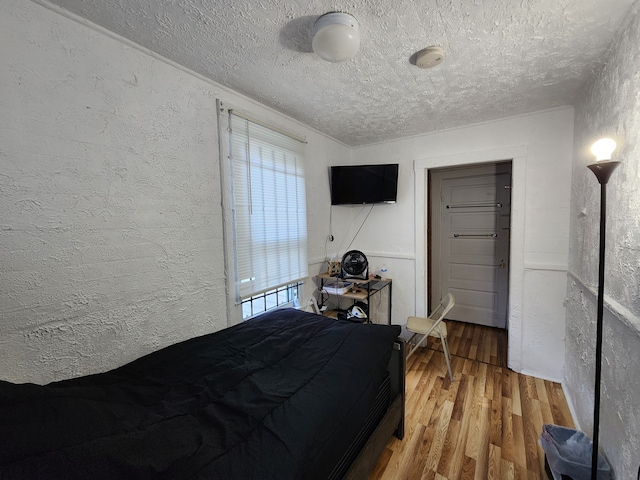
(501,264)
(475,205)
(490,235)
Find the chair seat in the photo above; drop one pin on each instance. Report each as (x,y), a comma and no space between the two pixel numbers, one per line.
(422,325)
(433,326)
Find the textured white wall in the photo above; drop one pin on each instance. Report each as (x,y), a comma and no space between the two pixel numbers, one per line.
(540,224)
(609,106)
(110,219)
(110,235)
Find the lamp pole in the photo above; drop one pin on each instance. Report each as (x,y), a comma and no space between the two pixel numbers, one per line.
(603,171)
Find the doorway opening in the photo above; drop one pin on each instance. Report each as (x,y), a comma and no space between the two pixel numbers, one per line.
(468,240)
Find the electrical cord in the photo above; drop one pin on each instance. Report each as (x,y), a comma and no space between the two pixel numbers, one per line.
(361,225)
(324,297)
(330,237)
(331,223)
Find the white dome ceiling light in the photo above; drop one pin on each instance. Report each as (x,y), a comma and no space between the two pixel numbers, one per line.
(336,37)
(429,57)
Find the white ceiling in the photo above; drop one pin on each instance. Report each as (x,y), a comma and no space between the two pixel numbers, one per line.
(504,57)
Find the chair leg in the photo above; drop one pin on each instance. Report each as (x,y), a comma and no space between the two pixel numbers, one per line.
(447,356)
(415,347)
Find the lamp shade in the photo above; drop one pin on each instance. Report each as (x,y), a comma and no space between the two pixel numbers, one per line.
(604,167)
(336,37)
(603,149)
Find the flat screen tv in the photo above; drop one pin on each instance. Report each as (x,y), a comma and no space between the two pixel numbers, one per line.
(362,184)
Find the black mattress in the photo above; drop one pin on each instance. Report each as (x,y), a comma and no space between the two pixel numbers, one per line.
(276,397)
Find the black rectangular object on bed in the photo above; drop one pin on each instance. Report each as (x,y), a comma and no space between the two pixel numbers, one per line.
(276,397)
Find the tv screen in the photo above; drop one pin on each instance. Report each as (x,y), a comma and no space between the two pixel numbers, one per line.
(360,184)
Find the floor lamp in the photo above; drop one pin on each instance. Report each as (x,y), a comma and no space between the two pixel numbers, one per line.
(603,168)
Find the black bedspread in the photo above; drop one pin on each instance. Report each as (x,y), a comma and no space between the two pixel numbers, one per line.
(280,396)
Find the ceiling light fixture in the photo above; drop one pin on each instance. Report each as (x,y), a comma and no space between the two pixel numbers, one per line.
(336,37)
(429,57)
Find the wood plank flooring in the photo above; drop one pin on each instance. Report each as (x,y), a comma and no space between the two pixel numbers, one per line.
(483,425)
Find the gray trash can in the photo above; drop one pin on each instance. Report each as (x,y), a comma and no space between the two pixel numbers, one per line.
(568,454)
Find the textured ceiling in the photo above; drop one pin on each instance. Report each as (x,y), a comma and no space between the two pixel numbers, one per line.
(504,57)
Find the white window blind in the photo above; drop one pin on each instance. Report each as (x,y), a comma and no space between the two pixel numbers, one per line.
(269,207)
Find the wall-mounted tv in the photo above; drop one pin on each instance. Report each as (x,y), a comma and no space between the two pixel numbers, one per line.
(361,184)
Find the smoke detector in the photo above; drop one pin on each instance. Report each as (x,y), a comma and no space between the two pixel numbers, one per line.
(429,57)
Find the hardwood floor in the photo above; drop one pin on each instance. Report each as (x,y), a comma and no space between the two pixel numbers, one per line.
(483,425)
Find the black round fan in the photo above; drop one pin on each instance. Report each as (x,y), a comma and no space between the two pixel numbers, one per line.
(355,265)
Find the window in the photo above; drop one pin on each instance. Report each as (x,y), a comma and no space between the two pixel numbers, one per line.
(256,304)
(269,215)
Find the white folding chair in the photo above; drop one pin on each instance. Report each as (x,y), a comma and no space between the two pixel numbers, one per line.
(433,326)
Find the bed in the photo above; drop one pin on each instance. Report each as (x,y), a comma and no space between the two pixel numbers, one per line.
(289,394)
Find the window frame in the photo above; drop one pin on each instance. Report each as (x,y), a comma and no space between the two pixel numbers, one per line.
(291,289)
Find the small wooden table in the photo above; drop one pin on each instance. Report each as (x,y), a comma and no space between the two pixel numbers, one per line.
(361,291)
